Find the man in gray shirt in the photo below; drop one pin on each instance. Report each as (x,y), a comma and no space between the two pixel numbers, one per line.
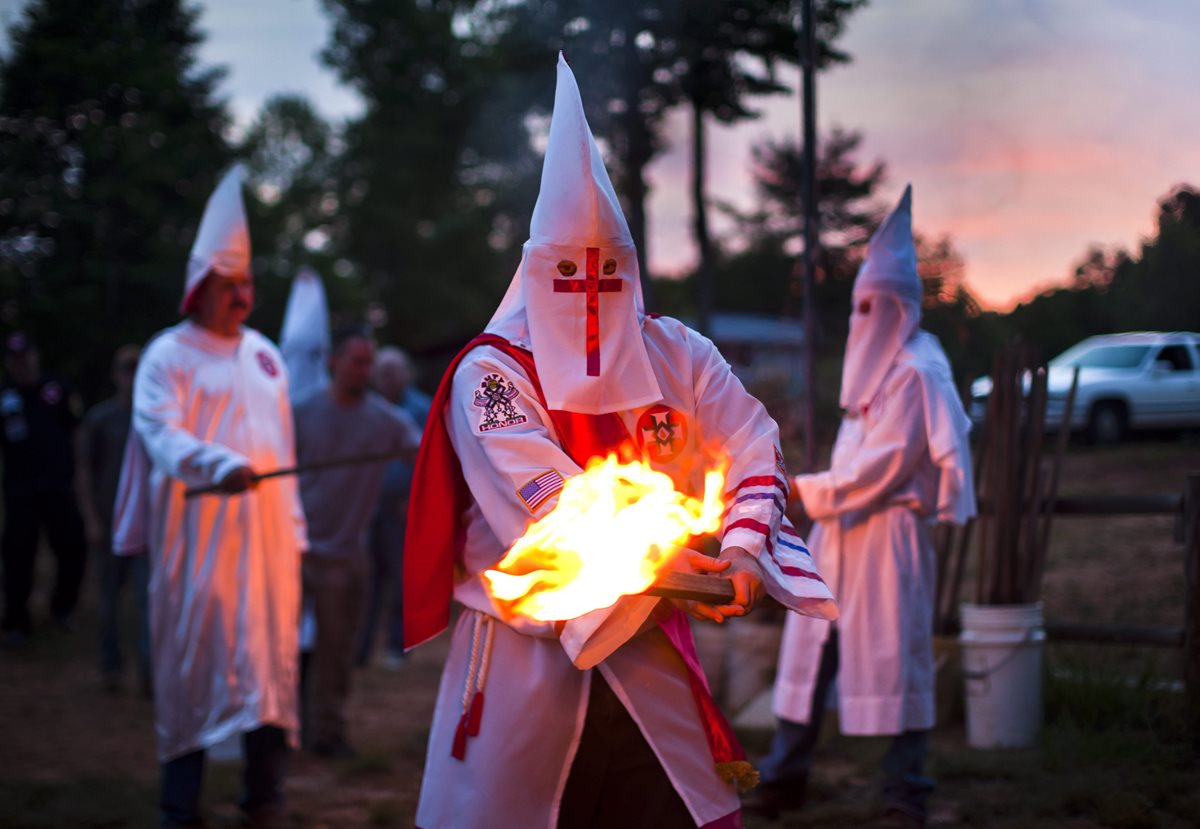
(342,421)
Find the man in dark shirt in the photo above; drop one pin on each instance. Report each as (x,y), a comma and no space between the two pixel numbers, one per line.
(36,432)
(342,421)
(100,448)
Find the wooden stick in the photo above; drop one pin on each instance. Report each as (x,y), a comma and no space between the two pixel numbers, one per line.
(698,588)
(991,431)
(316,466)
(1038,568)
(1038,394)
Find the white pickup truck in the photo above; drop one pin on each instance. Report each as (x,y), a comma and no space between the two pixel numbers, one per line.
(1142,380)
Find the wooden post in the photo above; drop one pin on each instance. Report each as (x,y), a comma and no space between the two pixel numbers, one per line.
(1191,635)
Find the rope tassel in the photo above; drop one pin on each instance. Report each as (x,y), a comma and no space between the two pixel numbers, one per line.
(459,750)
(469,723)
(475,715)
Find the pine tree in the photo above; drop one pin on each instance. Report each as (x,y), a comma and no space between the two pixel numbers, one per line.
(111,138)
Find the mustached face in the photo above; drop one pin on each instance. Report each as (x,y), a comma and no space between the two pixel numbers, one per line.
(224,302)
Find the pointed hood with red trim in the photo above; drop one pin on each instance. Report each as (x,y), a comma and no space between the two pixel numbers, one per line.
(576,300)
(222,243)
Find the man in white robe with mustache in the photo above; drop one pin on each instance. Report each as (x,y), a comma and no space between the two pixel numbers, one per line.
(901,462)
(604,720)
(210,408)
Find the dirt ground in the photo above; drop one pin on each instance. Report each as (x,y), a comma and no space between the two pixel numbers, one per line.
(1113,752)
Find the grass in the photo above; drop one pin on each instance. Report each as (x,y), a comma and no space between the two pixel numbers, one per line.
(1113,753)
(96,802)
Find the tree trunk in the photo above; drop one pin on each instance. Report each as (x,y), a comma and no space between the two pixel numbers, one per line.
(705,273)
(633,186)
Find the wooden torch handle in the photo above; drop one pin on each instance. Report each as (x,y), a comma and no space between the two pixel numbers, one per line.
(693,586)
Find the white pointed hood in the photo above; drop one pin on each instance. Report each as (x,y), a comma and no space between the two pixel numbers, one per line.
(886,307)
(576,299)
(223,240)
(304,338)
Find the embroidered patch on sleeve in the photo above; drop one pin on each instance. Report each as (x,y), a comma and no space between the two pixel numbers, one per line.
(661,433)
(538,490)
(497,396)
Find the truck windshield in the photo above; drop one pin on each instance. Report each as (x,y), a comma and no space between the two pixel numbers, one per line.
(1103,356)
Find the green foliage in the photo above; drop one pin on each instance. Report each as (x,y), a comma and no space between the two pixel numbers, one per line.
(292,157)
(423,191)
(110,141)
(1155,289)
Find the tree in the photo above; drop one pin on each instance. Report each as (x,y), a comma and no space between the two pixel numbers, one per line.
(731,51)
(773,234)
(424,176)
(1114,290)
(627,55)
(292,155)
(1161,287)
(110,142)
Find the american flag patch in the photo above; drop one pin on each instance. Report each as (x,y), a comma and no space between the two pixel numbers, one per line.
(536,491)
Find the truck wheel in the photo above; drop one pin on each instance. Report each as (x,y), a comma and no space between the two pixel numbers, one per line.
(1107,423)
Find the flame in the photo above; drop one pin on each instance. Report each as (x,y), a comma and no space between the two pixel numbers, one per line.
(615,528)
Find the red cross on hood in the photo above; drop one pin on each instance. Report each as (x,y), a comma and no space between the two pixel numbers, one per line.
(576,299)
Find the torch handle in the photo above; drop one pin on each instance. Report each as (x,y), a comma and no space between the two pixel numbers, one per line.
(693,586)
(315,466)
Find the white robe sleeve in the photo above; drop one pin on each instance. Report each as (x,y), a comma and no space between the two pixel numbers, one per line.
(501,461)
(893,445)
(287,426)
(756,494)
(159,402)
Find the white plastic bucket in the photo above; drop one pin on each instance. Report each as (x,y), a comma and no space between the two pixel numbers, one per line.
(1002,666)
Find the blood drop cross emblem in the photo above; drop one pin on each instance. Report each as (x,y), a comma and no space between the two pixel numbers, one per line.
(661,433)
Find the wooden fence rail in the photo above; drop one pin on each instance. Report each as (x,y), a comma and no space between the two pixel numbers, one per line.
(1185,509)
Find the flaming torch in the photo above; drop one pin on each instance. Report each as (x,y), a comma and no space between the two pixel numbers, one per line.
(616,529)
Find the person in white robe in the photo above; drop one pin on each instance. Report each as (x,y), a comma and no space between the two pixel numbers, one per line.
(603,720)
(304,341)
(304,337)
(900,464)
(210,407)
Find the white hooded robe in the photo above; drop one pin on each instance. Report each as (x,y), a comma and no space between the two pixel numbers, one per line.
(901,462)
(682,405)
(224,589)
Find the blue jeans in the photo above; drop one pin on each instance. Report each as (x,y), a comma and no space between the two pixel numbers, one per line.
(789,762)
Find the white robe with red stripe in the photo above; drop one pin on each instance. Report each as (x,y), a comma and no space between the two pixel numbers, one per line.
(536,684)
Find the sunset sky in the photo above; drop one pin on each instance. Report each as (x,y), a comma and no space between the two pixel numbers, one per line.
(1029,128)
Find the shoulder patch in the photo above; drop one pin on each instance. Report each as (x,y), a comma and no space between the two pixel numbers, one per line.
(267,364)
(497,397)
(536,491)
(661,433)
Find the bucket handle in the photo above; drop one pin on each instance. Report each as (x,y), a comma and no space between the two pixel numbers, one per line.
(985,675)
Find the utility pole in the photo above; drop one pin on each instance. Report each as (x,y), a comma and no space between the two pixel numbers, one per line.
(808,194)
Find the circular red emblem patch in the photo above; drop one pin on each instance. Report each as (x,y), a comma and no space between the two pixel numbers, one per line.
(268,365)
(661,433)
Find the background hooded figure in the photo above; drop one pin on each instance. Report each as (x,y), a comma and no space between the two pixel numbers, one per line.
(210,406)
(900,464)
